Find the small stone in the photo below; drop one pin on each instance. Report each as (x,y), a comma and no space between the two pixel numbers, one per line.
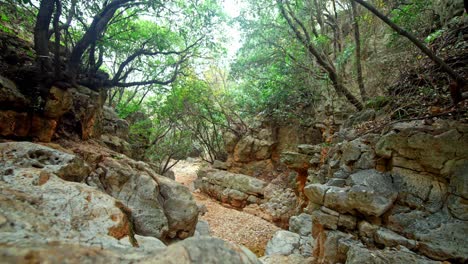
(328,221)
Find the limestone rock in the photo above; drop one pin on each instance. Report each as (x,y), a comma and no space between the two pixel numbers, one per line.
(290,259)
(10,95)
(203,228)
(332,246)
(179,206)
(301,224)
(283,243)
(220,165)
(309,149)
(371,193)
(117,144)
(113,125)
(204,250)
(138,191)
(57,103)
(327,220)
(391,239)
(16,124)
(361,255)
(243,183)
(430,230)
(41,207)
(295,161)
(30,155)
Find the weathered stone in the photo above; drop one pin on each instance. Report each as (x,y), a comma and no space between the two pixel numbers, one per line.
(295,161)
(42,129)
(309,149)
(431,230)
(290,259)
(57,103)
(203,228)
(459,179)
(30,155)
(243,149)
(389,238)
(220,165)
(207,250)
(316,192)
(175,197)
(366,161)
(117,144)
(10,96)
(48,208)
(113,125)
(361,255)
(351,151)
(283,243)
(329,211)
(417,190)
(243,183)
(14,124)
(347,221)
(139,192)
(84,117)
(262,149)
(331,247)
(372,193)
(306,246)
(366,229)
(336,182)
(458,207)
(301,224)
(230,141)
(324,219)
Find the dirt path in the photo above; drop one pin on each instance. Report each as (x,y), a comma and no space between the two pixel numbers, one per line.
(227,223)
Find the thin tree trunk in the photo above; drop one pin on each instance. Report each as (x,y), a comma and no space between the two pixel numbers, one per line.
(321,60)
(357,39)
(58,11)
(457,77)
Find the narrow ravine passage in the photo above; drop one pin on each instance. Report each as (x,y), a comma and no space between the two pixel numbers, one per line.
(227,223)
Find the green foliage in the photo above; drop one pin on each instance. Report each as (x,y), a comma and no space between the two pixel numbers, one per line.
(414,16)
(429,39)
(378,102)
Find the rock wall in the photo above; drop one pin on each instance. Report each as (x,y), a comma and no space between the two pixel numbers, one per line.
(400,196)
(257,153)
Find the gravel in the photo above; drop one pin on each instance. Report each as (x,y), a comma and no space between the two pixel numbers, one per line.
(225,222)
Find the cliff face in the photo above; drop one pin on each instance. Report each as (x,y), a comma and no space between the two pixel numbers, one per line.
(396,196)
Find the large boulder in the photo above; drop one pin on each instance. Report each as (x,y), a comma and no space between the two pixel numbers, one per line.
(361,255)
(236,189)
(370,192)
(204,250)
(160,206)
(29,155)
(283,243)
(301,224)
(39,207)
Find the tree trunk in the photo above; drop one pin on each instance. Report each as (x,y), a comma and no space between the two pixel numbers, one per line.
(457,77)
(93,33)
(58,11)
(41,34)
(357,39)
(321,59)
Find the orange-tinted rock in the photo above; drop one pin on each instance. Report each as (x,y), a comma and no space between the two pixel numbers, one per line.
(58,102)
(14,124)
(42,129)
